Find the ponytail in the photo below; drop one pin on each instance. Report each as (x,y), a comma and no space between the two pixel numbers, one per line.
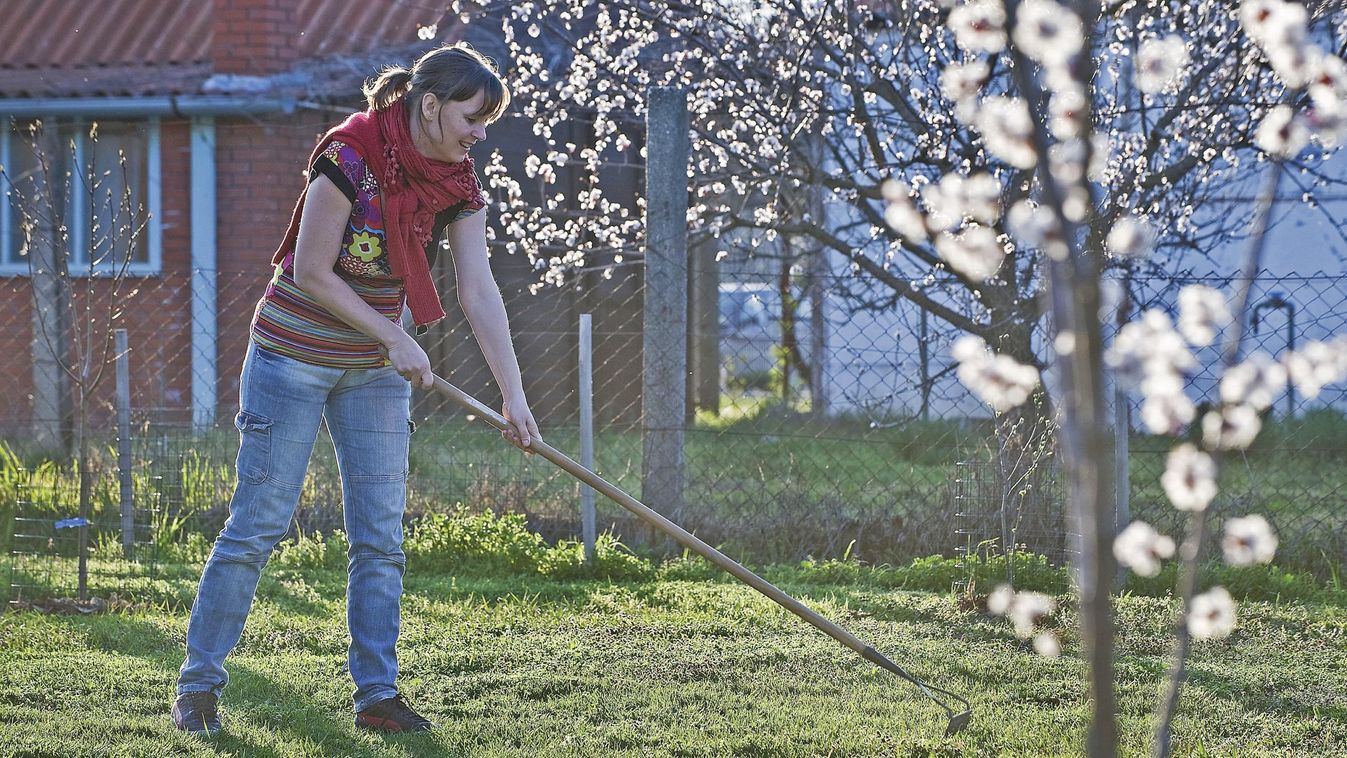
(383,90)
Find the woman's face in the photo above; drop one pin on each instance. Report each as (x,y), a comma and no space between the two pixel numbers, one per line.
(451,127)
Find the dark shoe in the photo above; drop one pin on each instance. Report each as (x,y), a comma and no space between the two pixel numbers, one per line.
(197,712)
(392,715)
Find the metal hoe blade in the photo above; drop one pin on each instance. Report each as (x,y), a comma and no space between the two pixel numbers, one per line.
(957,719)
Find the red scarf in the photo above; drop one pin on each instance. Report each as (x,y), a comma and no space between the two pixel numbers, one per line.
(413,189)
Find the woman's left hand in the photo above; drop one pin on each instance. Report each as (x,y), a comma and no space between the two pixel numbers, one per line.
(523,429)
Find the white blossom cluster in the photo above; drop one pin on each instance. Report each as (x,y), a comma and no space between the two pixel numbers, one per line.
(1246,390)
(1140,548)
(1211,615)
(1248,540)
(1161,63)
(1317,365)
(1025,611)
(1001,381)
(1150,355)
(1281,30)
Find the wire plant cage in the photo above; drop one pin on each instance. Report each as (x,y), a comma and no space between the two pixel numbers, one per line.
(996,515)
(40,537)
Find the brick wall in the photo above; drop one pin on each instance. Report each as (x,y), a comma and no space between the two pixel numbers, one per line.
(253,37)
(155,309)
(259,175)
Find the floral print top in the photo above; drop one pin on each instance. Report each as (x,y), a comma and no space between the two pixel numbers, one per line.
(362,244)
(290,322)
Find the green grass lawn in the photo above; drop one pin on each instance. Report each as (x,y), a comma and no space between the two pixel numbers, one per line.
(532,666)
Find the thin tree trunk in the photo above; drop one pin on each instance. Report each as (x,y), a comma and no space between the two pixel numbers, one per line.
(1191,551)
(85,484)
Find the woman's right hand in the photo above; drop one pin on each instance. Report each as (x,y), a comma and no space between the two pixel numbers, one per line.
(411,361)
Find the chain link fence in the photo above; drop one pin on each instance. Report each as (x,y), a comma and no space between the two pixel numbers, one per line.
(814,428)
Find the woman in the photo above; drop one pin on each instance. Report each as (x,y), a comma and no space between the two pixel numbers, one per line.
(327,344)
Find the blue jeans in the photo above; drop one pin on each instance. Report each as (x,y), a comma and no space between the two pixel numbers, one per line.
(281,402)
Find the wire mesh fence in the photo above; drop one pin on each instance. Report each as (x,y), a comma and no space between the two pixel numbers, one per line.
(825,429)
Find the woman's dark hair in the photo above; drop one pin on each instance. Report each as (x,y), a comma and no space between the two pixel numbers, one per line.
(451,72)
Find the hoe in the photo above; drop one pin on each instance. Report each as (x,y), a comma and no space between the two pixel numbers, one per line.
(957,719)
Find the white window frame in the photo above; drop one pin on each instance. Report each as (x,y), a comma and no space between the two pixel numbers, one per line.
(12,265)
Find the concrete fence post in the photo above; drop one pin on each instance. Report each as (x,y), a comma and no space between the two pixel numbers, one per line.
(664,353)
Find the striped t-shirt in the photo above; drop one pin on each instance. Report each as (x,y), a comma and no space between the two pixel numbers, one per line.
(290,322)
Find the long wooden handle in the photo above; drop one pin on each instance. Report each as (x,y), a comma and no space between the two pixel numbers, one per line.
(648,515)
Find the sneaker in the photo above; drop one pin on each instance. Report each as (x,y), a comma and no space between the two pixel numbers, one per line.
(197,712)
(392,715)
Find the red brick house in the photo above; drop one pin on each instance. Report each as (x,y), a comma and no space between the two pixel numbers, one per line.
(216,105)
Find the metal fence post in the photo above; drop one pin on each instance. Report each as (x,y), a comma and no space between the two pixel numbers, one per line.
(124,443)
(587,433)
(1122,449)
(664,353)
(205,329)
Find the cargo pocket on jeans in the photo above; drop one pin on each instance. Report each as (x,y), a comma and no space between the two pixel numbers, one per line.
(254,461)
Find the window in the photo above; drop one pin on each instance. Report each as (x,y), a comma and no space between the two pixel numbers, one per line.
(112,207)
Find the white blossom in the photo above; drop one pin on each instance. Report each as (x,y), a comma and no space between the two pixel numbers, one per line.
(981,197)
(1328,124)
(901,213)
(1160,63)
(1130,237)
(1067,161)
(1027,609)
(1148,353)
(1202,313)
(1036,227)
(1280,29)
(999,601)
(968,348)
(1048,31)
(1257,380)
(1046,645)
(962,83)
(1317,365)
(1167,413)
(1101,150)
(1008,130)
(999,380)
(1282,134)
(975,252)
(1233,427)
(1328,85)
(531,165)
(1067,113)
(1296,63)
(1189,480)
(1248,540)
(956,198)
(1212,614)
(1140,548)
(1064,343)
(1272,21)
(979,25)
